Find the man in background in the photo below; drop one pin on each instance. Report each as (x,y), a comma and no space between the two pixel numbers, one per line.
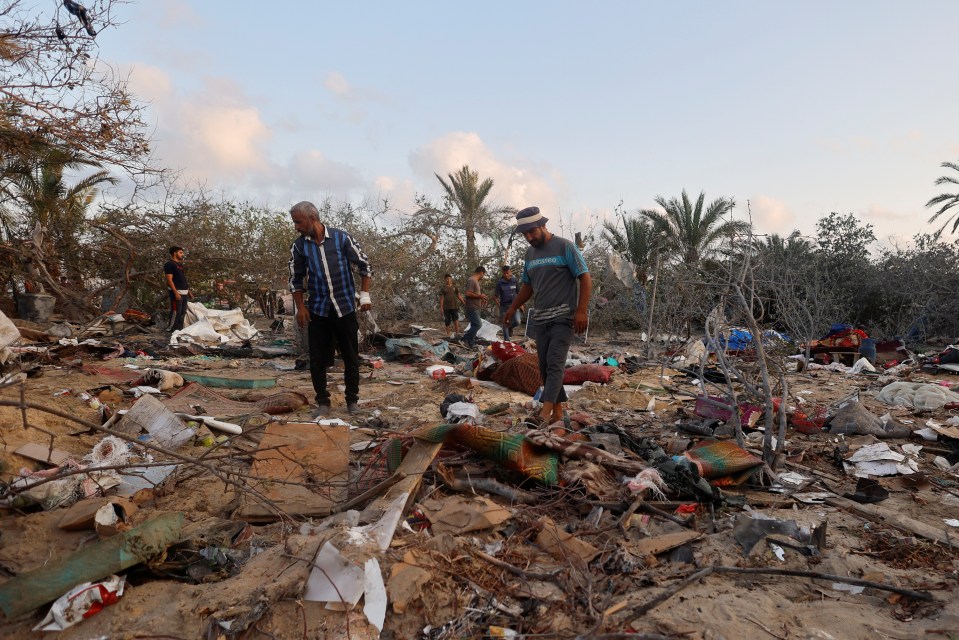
(475,300)
(504,294)
(450,300)
(174,272)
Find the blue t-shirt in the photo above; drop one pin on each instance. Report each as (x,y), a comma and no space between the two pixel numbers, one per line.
(553,271)
(506,291)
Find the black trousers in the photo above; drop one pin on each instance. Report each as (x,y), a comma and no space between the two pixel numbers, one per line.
(325,334)
(177,311)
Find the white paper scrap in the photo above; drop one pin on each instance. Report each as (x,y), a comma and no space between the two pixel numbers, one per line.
(374,601)
(334,578)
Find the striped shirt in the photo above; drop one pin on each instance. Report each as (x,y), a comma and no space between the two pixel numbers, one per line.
(330,285)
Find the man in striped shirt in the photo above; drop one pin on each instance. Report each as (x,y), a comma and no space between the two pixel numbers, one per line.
(326,257)
(556,274)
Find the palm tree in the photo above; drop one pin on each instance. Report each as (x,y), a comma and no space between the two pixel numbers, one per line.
(635,241)
(689,230)
(774,244)
(44,198)
(467,196)
(947,200)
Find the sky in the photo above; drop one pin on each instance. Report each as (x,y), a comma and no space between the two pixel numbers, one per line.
(794,109)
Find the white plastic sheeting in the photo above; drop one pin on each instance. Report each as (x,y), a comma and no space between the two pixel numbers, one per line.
(213,326)
(916,395)
(8,335)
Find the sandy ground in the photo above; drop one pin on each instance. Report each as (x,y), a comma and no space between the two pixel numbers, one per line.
(466,596)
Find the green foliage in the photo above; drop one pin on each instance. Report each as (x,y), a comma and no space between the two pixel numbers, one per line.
(635,241)
(467,210)
(236,244)
(946,201)
(691,231)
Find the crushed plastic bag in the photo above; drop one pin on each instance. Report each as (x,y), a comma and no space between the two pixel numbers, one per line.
(81,602)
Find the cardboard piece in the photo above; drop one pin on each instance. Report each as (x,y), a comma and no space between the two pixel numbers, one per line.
(42,453)
(561,545)
(150,415)
(462,514)
(81,515)
(315,455)
(405,584)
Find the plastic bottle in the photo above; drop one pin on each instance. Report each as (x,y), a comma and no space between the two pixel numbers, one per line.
(439,374)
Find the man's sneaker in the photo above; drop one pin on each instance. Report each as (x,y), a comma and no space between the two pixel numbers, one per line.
(353,408)
(321,411)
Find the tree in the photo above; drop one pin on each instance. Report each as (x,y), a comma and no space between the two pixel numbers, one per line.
(947,201)
(691,231)
(635,241)
(44,198)
(847,288)
(782,247)
(466,199)
(54,92)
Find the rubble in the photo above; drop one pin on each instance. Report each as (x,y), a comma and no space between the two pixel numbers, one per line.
(444,512)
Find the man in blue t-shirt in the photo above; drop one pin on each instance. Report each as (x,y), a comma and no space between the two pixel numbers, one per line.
(551,272)
(504,294)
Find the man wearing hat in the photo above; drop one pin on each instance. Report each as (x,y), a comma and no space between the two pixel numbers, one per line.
(551,272)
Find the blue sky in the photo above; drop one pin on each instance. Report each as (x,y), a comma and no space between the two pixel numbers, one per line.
(798,108)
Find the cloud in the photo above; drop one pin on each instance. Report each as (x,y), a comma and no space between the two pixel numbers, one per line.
(216,136)
(879,212)
(312,170)
(338,85)
(212,133)
(177,13)
(354,100)
(150,83)
(771,215)
(401,193)
(514,185)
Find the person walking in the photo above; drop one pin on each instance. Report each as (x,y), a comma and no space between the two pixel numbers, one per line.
(327,256)
(450,300)
(504,294)
(555,276)
(174,272)
(475,300)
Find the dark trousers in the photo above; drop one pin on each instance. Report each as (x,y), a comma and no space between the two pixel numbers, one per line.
(517,320)
(177,311)
(325,334)
(476,323)
(552,347)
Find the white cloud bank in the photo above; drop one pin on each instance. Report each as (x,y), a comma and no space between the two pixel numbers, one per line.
(216,136)
(514,185)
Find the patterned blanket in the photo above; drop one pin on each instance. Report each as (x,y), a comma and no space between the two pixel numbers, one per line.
(723,463)
(515,451)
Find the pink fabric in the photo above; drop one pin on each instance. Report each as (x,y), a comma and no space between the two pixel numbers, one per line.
(588,373)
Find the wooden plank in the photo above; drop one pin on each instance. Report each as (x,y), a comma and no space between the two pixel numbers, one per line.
(42,453)
(880,514)
(411,470)
(664,542)
(314,457)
